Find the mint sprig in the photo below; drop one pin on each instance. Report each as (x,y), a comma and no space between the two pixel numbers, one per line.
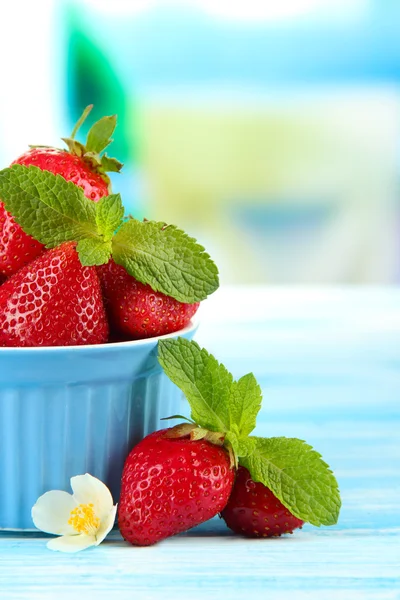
(166,258)
(245,403)
(53,211)
(297,476)
(94,252)
(109,215)
(289,467)
(49,208)
(218,403)
(204,381)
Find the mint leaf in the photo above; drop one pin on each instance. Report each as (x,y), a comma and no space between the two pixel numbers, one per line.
(232,440)
(217,402)
(244,404)
(46,206)
(167,259)
(94,251)
(204,381)
(297,476)
(99,136)
(109,215)
(109,164)
(245,447)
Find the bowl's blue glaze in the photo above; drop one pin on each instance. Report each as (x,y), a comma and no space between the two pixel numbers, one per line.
(70,410)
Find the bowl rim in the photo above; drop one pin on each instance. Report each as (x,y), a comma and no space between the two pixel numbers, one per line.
(191,327)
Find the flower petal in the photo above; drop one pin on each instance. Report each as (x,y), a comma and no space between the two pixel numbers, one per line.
(52,511)
(106,525)
(88,489)
(71,543)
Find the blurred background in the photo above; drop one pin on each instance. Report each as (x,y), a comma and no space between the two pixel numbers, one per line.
(268,130)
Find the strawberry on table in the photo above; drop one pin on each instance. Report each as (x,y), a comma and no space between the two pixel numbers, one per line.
(254,511)
(177,478)
(136,310)
(171,483)
(81,164)
(53,301)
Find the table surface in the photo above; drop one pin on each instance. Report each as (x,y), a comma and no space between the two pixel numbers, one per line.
(328,361)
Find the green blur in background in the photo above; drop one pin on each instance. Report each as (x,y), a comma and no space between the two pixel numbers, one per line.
(269,131)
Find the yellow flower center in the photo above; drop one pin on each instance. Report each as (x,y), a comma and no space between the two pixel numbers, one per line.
(84,520)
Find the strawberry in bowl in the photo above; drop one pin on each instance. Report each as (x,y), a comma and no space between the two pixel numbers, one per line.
(153,276)
(80,382)
(53,301)
(81,164)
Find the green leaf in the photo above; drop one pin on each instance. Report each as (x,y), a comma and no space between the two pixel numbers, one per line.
(167,259)
(109,215)
(99,136)
(232,440)
(297,476)
(246,446)
(109,164)
(204,381)
(244,404)
(81,120)
(46,206)
(217,402)
(94,251)
(74,146)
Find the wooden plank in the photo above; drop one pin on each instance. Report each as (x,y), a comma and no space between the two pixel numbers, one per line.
(327,378)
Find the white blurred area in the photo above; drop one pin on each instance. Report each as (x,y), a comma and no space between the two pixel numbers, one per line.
(287,188)
(284,182)
(32,91)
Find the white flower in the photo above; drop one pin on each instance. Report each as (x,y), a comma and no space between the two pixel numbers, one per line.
(82,519)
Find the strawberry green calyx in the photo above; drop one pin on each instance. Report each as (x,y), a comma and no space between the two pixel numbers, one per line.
(54,211)
(290,468)
(98,138)
(195,433)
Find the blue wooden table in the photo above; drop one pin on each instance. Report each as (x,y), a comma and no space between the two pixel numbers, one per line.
(329,365)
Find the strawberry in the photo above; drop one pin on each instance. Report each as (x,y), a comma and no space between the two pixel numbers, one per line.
(16,247)
(53,301)
(177,478)
(170,484)
(77,164)
(71,167)
(136,310)
(254,511)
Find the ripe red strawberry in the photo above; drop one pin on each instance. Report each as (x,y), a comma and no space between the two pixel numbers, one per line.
(53,301)
(71,167)
(170,485)
(16,247)
(254,511)
(136,310)
(80,164)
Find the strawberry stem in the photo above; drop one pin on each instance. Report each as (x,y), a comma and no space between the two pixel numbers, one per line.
(178,417)
(81,120)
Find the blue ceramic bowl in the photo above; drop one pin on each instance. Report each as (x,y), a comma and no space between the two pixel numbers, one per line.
(70,410)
